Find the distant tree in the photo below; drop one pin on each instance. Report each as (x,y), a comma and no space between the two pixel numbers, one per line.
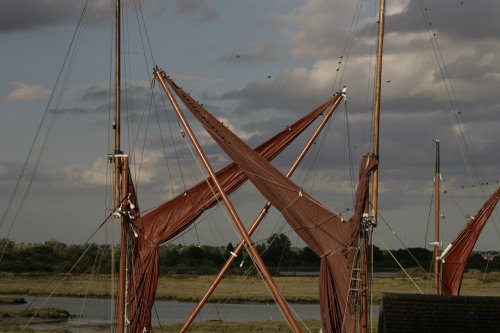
(6,246)
(407,257)
(476,261)
(377,253)
(194,254)
(308,258)
(57,247)
(278,249)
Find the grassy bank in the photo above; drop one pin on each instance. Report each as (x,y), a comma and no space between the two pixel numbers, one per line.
(232,289)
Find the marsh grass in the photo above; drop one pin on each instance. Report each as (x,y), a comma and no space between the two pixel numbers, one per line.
(232,289)
(44,313)
(238,289)
(6,299)
(19,320)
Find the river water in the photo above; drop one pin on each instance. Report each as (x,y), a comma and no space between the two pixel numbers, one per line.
(98,310)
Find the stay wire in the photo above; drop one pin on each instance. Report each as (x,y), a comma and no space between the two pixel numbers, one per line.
(399,264)
(91,280)
(164,147)
(465,145)
(66,275)
(453,100)
(142,29)
(68,62)
(347,47)
(144,25)
(203,172)
(157,317)
(401,242)
(175,145)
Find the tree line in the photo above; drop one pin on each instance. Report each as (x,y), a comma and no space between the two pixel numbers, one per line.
(56,257)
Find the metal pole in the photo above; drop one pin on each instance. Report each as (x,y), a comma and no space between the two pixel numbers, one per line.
(239,225)
(437,183)
(259,218)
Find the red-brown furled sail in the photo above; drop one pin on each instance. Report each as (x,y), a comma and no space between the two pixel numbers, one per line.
(455,258)
(171,218)
(324,231)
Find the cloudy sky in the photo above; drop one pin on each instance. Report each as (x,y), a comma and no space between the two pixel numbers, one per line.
(258,66)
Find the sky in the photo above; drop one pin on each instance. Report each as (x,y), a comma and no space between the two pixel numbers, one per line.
(258,66)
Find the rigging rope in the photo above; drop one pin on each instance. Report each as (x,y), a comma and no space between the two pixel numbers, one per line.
(454,109)
(67,63)
(399,264)
(56,276)
(347,48)
(401,241)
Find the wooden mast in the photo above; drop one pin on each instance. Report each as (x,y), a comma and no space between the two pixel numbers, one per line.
(437,183)
(120,180)
(376,112)
(376,125)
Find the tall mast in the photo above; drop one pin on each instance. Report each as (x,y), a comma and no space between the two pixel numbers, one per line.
(437,183)
(376,125)
(376,110)
(118,176)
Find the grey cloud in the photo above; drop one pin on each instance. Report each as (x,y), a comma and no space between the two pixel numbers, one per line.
(199,8)
(22,15)
(461,20)
(261,52)
(96,99)
(99,92)
(282,93)
(31,14)
(94,93)
(77,110)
